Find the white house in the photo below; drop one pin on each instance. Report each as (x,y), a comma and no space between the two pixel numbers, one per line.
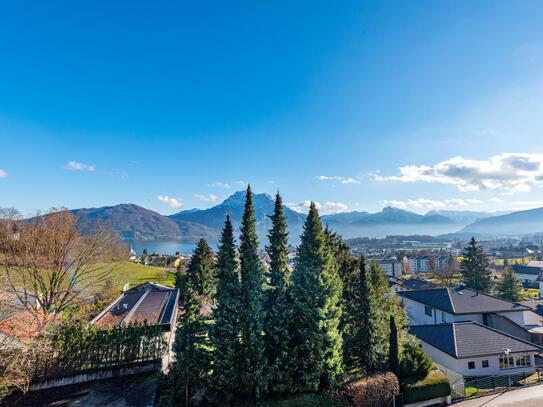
(527,274)
(458,304)
(470,349)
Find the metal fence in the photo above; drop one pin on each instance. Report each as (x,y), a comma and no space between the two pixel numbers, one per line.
(493,384)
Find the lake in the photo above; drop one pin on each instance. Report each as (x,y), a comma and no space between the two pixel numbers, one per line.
(165,246)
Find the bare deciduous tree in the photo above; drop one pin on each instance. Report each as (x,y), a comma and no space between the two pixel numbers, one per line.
(445,275)
(46,268)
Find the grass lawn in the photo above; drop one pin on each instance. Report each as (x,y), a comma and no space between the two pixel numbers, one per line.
(530,293)
(471,391)
(134,274)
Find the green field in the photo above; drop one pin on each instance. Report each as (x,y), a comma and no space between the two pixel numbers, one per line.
(134,274)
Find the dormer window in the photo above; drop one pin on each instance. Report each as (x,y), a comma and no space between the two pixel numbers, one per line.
(428,310)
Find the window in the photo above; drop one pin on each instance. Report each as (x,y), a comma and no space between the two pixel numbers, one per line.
(443,319)
(520,360)
(484,363)
(428,310)
(471,365)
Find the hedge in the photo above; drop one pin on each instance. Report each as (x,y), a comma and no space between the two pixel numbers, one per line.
(375,390)
(303,400)
(435,385)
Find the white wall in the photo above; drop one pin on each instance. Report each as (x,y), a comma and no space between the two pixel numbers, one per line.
(461,365)
(417,316)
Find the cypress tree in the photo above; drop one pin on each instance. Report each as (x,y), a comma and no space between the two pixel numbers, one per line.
(316,344)
(225,335)
(276,324)
(253,380)
(201,269)
(509,286)
(474,268)
(181,281)
(393,352)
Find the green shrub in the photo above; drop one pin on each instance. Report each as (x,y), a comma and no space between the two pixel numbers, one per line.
(373,390)
(435,385)
(303,400)
(415,364)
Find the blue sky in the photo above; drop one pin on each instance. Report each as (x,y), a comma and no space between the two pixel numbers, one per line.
(422,105)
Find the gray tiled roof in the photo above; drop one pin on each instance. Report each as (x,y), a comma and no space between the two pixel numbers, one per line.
(462,300)
(518,268)
(470,339)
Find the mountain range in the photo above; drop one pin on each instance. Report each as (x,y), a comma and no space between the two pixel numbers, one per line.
(134,222)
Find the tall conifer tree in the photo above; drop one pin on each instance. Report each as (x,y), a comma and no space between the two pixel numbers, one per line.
(509,286)
(253,374)
(189,374)
(474,267)
(201,269)
(225,334)
(316,344)
(393,351)
(276,324)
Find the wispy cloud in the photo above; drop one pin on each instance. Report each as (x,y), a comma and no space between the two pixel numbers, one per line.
(423,203)
(220,184)
(174,203)
(207,198)
(3,174)
(326,208)
(241,184)
(527,204)
(341,180)
(78,166)
(508,171)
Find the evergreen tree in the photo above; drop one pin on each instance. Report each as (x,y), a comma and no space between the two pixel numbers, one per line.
(509,286)
(393,352)
(225,335)
(253,373)
(276,325)
(415,364)
(316,343)
(189,374)
(474,268)
(201,269)
(363,341)
(181,281)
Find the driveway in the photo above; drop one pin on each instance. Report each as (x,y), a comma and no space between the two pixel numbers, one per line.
(527,397)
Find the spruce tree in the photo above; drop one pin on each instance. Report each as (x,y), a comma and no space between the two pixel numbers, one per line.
(316,343)
(181,281)
(225,335)
(253,373)
(393,351)
(474,268)
(509,287)
(276,324)
(363,342)
(201,269)
(189,374)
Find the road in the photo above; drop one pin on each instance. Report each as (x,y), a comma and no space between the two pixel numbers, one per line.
(527,397)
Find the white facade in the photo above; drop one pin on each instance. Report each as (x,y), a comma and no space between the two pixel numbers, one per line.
(424,264)
(474,366)
(392,268)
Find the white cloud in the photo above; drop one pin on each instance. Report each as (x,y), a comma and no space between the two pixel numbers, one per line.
(3,174)
(517,172)
(220,184)
(207,198)
(423,203)
(241,184)
(341,180)
(496,200)
(325,209)
(171,202)
(527,204)
(77,166)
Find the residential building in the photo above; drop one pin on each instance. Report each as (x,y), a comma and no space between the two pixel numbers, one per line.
(408,284)
(391,267)
(150,303)
(458,304)
(472,349)
(427,263)
(527,274)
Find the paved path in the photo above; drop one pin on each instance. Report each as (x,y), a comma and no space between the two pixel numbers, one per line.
(527,397)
